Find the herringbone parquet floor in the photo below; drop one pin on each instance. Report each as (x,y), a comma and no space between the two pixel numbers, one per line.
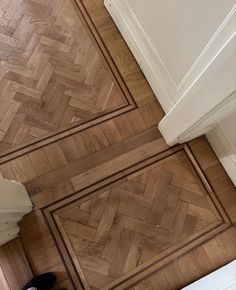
(149,212)
(114,206)
(51,72)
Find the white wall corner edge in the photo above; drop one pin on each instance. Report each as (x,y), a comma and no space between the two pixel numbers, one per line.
(166,90)
(220,39)
(224,151)
(168,93)
(202,126)
(144,52)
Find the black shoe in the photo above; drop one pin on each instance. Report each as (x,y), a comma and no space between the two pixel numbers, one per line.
(42,282)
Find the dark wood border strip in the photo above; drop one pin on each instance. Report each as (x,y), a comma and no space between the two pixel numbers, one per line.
(213,199)
(127,280)
(27,147)
(76,127)
(112,179)
(203,177)
(105,54)
(165,258)
(63,251)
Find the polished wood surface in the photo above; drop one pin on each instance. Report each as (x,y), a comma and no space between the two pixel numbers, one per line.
(108,176)
(52,73)
(192,266)
(119,233)
(14,266)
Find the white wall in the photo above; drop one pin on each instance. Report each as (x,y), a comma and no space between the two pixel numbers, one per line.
(187,51)
(180,29)
(175,41)
(223,140)
(14,204)
(228,126)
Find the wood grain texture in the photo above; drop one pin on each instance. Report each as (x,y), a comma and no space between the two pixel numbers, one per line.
(52,73)
(92,160)
(14,264)
(213,254)
(194,265)
(41,250)
(118,236)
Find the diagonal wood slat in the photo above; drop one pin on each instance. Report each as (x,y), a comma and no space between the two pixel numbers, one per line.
(114,206)
(52,74)
(118,230)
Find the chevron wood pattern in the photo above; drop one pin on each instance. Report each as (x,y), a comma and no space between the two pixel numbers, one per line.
(52,74)
(118,232)
(194,265)
(92,175)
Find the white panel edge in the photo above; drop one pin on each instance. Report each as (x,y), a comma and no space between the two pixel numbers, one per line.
(217,43)
(148,58)
(224,151)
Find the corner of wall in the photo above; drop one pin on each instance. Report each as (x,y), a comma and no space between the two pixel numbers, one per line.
(143,50)
(224,151)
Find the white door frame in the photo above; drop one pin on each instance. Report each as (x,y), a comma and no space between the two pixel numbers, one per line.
(174,126)
(207,101)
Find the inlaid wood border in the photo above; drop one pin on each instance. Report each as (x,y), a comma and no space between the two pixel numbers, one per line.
(68,256)
(50,137)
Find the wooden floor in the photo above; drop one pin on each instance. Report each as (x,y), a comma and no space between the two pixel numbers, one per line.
(114,206)
(53,76)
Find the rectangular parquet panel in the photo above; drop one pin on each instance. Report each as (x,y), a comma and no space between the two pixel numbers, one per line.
(56,75)
(122,228)
(108,176)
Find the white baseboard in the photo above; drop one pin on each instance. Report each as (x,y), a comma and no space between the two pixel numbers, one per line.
(194,86)
(208,101)
(143,50)
(166,90)
(224,151)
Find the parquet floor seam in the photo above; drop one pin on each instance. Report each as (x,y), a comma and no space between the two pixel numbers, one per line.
(114,206)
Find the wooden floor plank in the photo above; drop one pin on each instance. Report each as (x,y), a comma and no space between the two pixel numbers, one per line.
(60,79)
(113,203)
(14,266)
(144,242)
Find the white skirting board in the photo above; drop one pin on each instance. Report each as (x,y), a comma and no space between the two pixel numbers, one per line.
(167,91)
(224,151)
(144,52)
(222,279)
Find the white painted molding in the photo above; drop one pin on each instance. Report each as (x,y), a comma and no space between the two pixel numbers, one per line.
(217,43)
(155,70)
(148,58)
(208,102)
(205,95)
(224,151)
(207,123)
(14,204)
(14,198)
